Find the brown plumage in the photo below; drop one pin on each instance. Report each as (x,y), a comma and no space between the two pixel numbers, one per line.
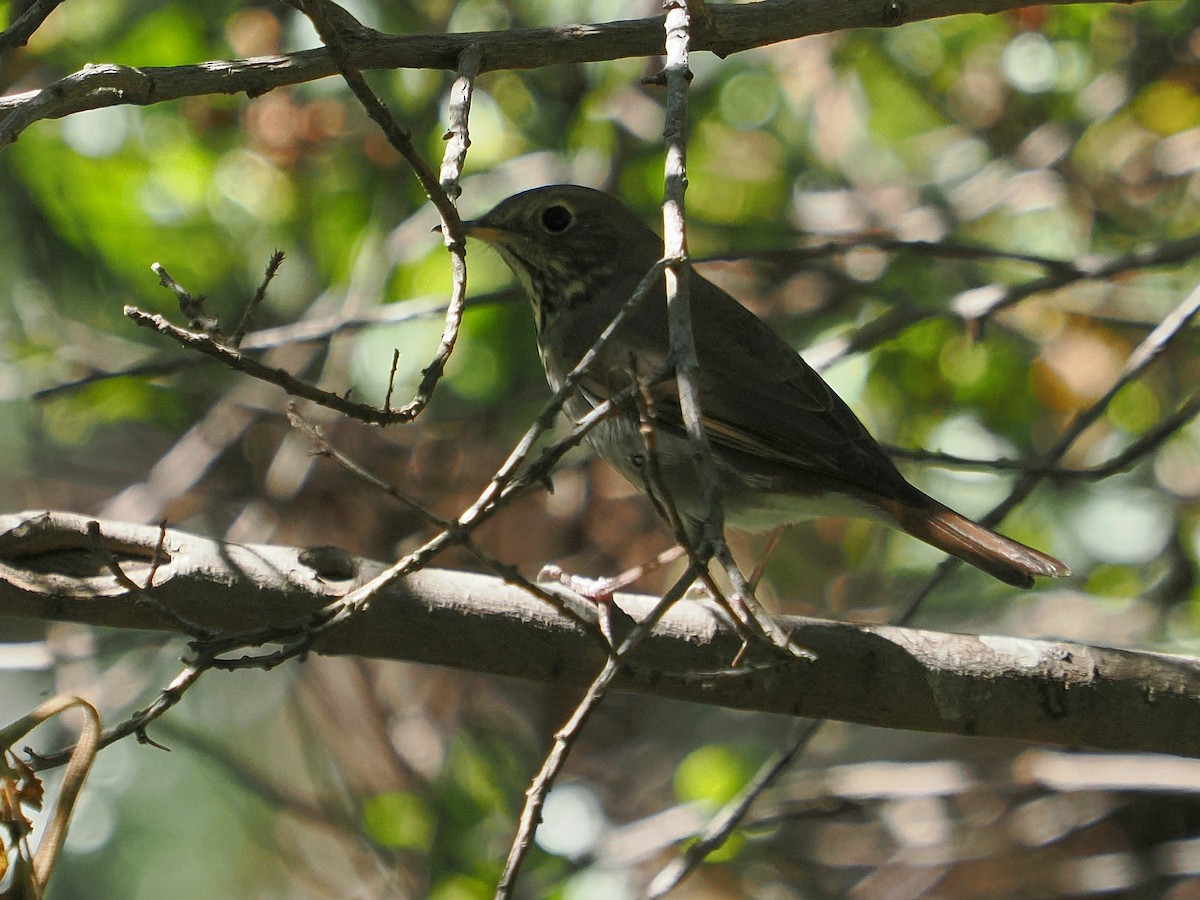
(785,445)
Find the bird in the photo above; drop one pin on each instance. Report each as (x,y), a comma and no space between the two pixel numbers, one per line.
(785,446)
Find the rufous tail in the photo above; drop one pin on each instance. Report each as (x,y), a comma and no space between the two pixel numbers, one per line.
(1010,561)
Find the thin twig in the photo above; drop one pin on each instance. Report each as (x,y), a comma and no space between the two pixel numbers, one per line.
(947,249)
(401,139)
(981,304)
(142,592)
(19,32)
(504,570)
(239,333)
(458,134)
(235,359)
(135,724)
(722,825)
(307,331)
(1121,462)
(1167,331)
(565,737)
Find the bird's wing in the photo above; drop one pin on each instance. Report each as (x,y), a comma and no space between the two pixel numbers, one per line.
(759,398)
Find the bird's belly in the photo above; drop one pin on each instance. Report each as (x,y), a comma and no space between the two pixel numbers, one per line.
(749,501)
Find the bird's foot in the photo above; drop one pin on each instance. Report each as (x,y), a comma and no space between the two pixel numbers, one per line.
(601,590)
(598,590)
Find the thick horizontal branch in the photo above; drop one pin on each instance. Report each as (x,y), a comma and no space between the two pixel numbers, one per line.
(1053,691)
(728,29)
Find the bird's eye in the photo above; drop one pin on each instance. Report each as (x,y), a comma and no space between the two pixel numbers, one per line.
(556,219)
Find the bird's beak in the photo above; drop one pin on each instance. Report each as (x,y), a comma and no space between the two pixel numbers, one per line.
(477,228)
(480,230)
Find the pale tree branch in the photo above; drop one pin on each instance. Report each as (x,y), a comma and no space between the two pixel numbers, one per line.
(1053,691)
(677,75)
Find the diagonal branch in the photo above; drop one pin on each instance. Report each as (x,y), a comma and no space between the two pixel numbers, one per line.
(20,31)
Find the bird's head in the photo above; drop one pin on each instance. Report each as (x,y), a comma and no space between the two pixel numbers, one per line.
(565,242)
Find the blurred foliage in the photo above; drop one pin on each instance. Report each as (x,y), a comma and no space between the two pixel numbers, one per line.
(1064,132)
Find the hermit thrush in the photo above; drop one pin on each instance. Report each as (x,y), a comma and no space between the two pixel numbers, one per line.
(785,446)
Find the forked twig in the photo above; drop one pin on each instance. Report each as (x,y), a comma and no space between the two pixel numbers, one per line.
(335,35)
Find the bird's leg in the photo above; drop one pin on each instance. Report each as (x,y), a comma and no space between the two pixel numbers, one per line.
(602,590)
(761,566)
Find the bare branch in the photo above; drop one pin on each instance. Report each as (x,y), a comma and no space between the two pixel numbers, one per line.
(1121,462)
(1054,691)
(722,825)
(135,724)
(458,134)
(18,33)
(235,359)
(729,28)
(239,333)
(306,331)
(565,737)
(980,304)
(337,38)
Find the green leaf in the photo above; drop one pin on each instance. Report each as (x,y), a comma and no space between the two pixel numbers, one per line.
(399,820)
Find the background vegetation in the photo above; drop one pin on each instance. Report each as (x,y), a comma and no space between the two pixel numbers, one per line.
(1070,133)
